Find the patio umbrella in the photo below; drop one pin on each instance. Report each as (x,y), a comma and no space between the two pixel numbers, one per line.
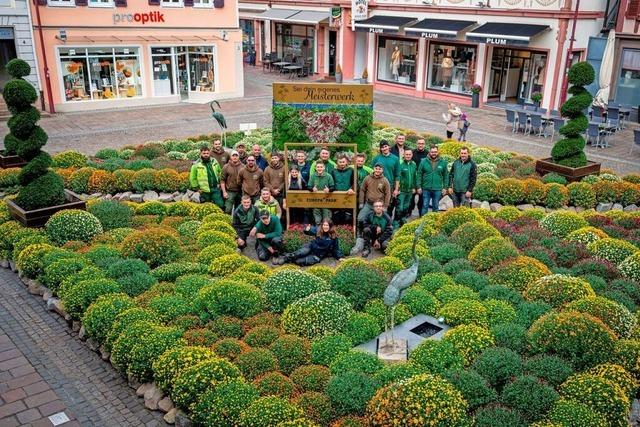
(602,97)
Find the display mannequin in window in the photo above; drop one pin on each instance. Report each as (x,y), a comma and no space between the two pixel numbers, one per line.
(396,60)
(447,69)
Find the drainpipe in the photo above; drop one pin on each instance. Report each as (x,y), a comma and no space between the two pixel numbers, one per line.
(565,81)
(47,74)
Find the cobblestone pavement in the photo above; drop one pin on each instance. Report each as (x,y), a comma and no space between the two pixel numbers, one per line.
(44,369)
(92,130)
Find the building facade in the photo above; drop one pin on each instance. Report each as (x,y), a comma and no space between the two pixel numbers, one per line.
(16,39)
(625,80)
(95,54)
(437,49)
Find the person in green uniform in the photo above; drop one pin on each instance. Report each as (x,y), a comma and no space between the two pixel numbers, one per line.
(391,170)
(462,178)
(245,216)
(378,229)
(268,234)
(320,181)
(408,187)
(343,181)
(325,157)
(433,177)
(205,178)
(363,170)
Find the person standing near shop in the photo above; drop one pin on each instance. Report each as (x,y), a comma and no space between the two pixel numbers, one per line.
(321,181)
(418,154)
(391,167)
(261,162)
(433,178)
(250,177)
(245,217)
(399,147)
(274,178)
(377,230)
(205,178)
(219,153)
(408,188)
(462,178)
(230,182)
(268,234)
(452,119)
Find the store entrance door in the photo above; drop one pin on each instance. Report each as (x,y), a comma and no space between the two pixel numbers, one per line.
(183,76)
(7,53)
(333,42)
(515,75)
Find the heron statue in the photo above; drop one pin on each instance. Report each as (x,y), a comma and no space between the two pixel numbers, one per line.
(222,122)
(397,286)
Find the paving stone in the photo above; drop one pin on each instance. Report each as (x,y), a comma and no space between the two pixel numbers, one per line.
(13,395)
(28,416)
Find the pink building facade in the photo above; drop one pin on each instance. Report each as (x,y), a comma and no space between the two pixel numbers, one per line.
(96,54)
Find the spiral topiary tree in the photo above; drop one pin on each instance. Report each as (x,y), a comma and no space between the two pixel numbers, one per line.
(40,186)
(569,151)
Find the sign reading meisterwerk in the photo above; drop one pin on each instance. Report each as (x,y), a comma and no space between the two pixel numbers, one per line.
(321,93)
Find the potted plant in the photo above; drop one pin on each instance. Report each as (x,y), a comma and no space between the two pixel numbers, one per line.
(338,74)
(567,155)
(42,191)
(365,76)
(536,97)
(475,95)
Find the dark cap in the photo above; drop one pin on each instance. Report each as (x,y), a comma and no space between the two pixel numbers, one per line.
(384,143)
(264,214)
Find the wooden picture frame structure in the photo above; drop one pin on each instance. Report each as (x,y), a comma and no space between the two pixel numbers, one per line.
(333,200)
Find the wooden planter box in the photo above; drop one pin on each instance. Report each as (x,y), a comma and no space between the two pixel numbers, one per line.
(39,217)
(11,162)
(544,166)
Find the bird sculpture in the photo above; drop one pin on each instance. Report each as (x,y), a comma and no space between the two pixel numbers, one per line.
(222,122)
(397,286)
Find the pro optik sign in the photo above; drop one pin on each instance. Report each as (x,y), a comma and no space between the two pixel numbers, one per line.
(140,18)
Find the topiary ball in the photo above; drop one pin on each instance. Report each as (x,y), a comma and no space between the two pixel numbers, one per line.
(437,357)
(491,252)
(222,405)
(558,289)
(155,246)
(469,340)
(614,315)
(269,411)
(44,191)
(359,283)
(426,397)
(561,223)
(288,286)
(575,414)
(599,394)
(529,396)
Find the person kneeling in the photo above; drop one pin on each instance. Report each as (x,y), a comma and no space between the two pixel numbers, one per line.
(325,244)
(377,229)
(268,234)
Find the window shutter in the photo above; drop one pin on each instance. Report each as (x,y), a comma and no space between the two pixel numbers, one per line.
(42,2)
(121,3)
(633,9)
(219,4)
(188,3)
(82,2)
(154,2)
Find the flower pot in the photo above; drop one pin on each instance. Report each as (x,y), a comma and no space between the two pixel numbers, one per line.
(338,77)
(11,161)
(363,81)
(39,217)
(537,104)
(544,166)
(475,99)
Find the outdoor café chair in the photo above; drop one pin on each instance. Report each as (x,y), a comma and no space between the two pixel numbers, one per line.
(523,121)
(535,122)
(594,132)
(636,139)
(511,120)
(558,122)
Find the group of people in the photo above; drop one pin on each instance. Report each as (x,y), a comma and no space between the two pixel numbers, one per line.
(253,190)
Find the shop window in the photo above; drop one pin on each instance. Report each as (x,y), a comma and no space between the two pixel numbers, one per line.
(295,43)
(101,3)
(172,3)
(515,75)
(162,61)
(67,3)
(451,67)
(202,3)
(628,90)
(397,60)
(201,70)
(100,73)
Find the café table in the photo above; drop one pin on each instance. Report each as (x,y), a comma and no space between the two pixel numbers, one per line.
(281,64)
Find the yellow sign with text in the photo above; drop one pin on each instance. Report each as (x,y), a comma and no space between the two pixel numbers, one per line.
(322,93)
(318,199)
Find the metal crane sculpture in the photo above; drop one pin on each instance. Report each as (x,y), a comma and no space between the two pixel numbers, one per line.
(397,286)
(222,122)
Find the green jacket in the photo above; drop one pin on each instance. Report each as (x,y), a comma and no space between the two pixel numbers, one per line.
(328,167)
(430,178)
(363,172)
(343,179)
(245,220)
(391,167)
(273,207)
(205,177)
(408,176)
(321,182)
(462,176)
(274,229)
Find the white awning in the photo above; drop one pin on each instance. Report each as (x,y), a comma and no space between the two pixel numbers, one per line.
(278,14)
(295,16)
(250,11)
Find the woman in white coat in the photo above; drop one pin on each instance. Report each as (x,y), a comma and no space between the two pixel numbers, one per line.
(452,119)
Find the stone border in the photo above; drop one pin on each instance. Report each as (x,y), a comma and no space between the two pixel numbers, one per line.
(154,398)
